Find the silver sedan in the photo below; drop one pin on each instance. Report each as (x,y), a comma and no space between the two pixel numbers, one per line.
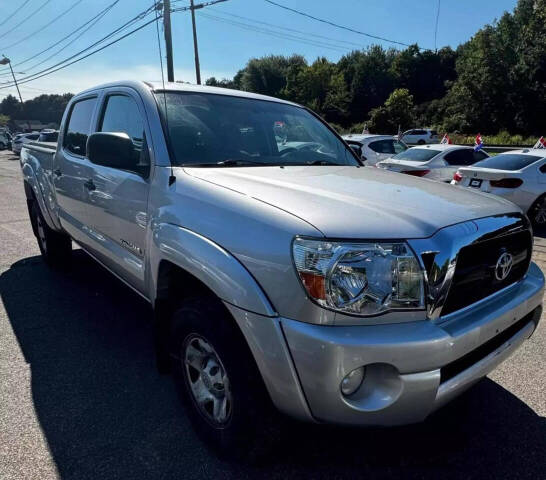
(518,176)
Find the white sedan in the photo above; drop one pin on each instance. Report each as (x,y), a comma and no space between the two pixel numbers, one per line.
(518,176)
(374,148)
(437,162)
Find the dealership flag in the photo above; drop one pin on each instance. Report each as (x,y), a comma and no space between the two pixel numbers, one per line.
(541,143)
(478,143)
(446,139)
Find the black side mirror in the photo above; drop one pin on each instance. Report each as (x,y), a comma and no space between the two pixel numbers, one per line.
(356,148)
(114,150)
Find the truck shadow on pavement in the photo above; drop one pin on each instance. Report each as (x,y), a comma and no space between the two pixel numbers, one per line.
(106,412)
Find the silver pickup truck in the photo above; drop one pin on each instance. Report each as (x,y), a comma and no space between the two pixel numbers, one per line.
(281,272)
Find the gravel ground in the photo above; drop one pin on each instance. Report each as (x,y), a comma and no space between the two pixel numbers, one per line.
(80,397)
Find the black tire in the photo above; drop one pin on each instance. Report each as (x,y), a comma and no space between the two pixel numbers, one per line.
(249,429)
(56,247)
(536,214)
(421,142)
(2,146)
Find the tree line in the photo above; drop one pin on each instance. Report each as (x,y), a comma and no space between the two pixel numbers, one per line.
(495,81)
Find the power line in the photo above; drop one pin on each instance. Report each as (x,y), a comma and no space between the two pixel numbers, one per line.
(111,34)
(376,37)
(77,37)
(17,10)
(26,80)
(28,17)
(272,33)
(45,26)
(100,14)
(359,45)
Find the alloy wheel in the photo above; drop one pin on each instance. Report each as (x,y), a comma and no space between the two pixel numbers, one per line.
(207,379)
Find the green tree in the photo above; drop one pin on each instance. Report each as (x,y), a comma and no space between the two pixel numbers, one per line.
(267,75)
(397,112)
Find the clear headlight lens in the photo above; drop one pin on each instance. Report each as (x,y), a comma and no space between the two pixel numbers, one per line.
(359,278)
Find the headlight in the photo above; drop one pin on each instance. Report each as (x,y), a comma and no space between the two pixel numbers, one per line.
(359,278)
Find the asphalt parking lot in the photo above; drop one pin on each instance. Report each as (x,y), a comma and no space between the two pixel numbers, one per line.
(80,397)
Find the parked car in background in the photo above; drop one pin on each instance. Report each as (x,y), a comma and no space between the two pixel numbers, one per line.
(5,139)
(518,176)
(420,136)
(20,140)
(437,162)
(287,278)
(374,148)
(49,135)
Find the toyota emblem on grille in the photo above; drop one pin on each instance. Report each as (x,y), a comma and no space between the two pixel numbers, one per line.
(503,266)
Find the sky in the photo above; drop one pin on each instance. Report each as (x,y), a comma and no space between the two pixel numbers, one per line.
(226,41)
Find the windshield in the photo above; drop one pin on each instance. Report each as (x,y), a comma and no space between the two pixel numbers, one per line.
(417,154)
(218,130)
(508,161)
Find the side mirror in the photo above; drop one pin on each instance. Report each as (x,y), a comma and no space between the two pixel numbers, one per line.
(114,150)
(356,148)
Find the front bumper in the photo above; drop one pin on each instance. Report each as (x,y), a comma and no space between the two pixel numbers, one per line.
(412,368)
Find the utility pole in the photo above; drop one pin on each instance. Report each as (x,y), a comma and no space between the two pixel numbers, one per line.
(192,8)
(7,61)
(195,47)
(168,39)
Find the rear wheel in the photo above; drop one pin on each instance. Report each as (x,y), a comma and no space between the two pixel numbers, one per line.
(537,213)
(55,247)
(219,382)
(421,142)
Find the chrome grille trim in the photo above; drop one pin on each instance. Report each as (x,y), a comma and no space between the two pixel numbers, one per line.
(438,254)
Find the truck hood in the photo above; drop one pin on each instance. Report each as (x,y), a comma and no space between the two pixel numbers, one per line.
(358,203)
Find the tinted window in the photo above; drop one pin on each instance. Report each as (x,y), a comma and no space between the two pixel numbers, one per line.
(33,136)
(460,157)
(79,126)
(382,146)
(433,132)
(417,154)
(121,114)
(508,161)
(205,129)
(543,168)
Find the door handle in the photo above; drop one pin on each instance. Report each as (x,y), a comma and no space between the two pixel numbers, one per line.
(57,172)
(90,185)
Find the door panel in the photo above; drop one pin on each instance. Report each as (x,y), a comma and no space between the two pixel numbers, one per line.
(117,203)
(71,169)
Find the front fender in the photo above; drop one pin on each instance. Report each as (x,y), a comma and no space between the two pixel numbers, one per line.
(211,264)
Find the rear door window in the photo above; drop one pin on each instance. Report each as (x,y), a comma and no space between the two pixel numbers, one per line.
(460,157)
(383,146)
(79,126)
(508,161)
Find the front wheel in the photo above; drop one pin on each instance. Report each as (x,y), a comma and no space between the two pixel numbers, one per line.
(219,382)
(421,142)
(55,247)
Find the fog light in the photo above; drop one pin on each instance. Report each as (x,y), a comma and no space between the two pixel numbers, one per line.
(352,381)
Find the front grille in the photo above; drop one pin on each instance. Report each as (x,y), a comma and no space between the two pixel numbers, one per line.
(474,277)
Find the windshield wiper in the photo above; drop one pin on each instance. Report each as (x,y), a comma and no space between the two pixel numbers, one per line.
(230,162)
